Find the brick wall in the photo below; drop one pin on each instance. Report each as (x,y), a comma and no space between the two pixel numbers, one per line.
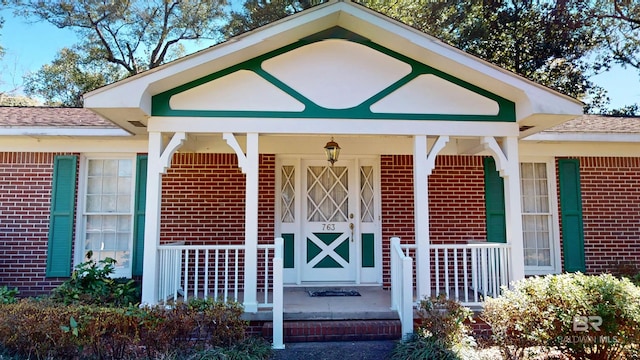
(25,200)
(611,212)
(456,201)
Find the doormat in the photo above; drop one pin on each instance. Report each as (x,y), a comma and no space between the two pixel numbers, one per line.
(319,293)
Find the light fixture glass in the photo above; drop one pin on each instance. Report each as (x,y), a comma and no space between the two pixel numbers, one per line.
(332,149)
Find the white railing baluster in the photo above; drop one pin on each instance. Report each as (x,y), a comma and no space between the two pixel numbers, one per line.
(446,271)
(226,278)
(216,276)
(236,274)
(206,274)
(437,260)
(185,280)
(455,274)
(466,274)
(195,273)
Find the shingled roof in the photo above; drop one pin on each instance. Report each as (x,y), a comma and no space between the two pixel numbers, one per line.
(38,117)
(599,124)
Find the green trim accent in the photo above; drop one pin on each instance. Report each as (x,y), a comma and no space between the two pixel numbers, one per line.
(313,250)
(327,263)
(343,250)
(139,214)
(61,216)
(494,202)
(571,213)
(289,251)
(368,251)
(160,102)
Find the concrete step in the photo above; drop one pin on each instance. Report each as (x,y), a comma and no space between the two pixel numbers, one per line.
(337,330)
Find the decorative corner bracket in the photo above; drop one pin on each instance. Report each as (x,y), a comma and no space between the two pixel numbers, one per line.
(490,144)
(176,142)
(233,143)
(433,153)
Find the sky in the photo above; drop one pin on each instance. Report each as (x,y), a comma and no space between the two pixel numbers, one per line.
(28,46)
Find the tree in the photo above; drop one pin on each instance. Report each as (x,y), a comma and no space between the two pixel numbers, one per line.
(63,82)
(619,22)
(544,41)
(135,35)
(256,13)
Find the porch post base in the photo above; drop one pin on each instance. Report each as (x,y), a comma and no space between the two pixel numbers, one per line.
(250,307)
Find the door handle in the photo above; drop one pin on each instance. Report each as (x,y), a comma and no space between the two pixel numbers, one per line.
(351,226)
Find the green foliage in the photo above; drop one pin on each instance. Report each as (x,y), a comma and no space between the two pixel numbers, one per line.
(91,283)
(250,349)
(542,311)
(70,75)
(134,35)
(45,329)
(8,296)
(256,13)
(442,332)
(420,347)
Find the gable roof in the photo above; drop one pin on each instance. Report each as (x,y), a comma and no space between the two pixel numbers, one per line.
(537,107)
(51,121)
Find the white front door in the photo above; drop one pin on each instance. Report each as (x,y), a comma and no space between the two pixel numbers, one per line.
(328,207)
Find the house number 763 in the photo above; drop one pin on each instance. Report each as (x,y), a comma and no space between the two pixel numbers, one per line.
(329,227)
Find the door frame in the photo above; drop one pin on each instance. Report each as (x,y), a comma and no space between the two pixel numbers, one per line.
(293,229)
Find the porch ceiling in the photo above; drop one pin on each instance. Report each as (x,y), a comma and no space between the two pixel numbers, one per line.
(537,107)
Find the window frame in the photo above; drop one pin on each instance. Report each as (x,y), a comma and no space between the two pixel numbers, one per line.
(554,230)
(81,214)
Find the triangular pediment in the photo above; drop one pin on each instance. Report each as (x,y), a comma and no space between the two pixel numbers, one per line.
(340,75)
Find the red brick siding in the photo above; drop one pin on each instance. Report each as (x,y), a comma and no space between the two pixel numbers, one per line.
(25,200)
(456,201)
(611,212)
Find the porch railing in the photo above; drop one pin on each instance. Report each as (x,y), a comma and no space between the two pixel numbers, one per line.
(278,295)
(469,272)
(402,286)
(216,271)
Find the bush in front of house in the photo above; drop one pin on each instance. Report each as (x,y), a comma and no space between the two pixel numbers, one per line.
(91,282)
(442,332)
(8,296)
(45,329)
(584,317)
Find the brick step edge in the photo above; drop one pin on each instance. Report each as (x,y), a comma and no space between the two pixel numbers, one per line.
(342,330)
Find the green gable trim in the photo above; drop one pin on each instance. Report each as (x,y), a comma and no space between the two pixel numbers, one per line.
(368,251)
(160,102)
(139,214)
(289,251)
(61,216)
(571,213)
(494,202)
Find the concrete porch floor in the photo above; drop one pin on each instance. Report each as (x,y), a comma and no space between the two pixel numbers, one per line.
(373,304)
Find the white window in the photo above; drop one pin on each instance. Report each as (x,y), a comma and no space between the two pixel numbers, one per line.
(541,244)
(106,211)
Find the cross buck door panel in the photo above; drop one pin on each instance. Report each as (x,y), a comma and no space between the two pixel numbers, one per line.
(328,231)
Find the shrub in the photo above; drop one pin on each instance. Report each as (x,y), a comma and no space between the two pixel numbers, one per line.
(46,329)
(442,332)
(91,283)
(553,312)
(8,296)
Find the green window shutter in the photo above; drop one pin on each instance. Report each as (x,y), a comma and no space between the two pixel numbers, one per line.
(139,214)
(61,216)
(494,202)
(571,212)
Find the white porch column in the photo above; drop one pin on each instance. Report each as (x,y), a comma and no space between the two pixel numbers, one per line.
(421,215)
(513,208)
(424,161)
(159,160)
(249,164)
(251,226)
